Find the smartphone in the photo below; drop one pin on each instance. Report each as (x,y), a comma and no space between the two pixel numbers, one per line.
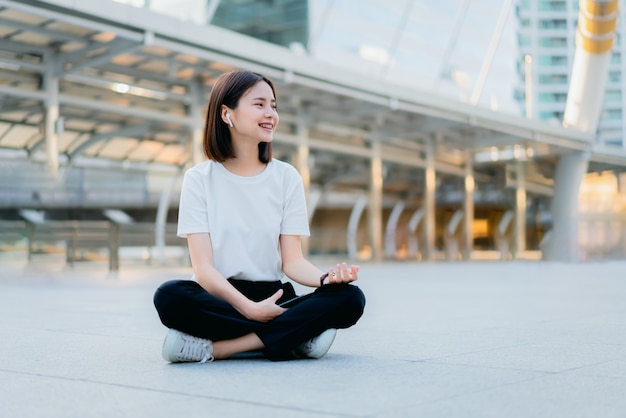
(292,302)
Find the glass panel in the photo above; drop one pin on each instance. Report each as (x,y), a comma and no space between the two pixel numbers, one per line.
(613,96)
(552,79)
(553,42)
(551,115)
(553,24)
(553,5)
(615,76)
(281,22)
(552,97)
(552,60)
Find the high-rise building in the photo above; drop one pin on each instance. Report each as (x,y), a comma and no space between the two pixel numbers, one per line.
(546,38)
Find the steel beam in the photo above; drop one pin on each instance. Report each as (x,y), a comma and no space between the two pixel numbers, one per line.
(93,46)
(21,92)
(104,58)
(151,115)
(23,48)
(40,30)
(126,131)
(214,56)
(21,65)
(140,74)
(93,24)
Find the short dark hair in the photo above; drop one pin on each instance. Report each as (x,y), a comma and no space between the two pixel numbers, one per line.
(227,90)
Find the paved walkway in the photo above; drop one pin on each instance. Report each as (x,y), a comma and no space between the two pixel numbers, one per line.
(517,339)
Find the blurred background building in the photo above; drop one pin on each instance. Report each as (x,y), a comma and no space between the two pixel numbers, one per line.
(462,49)
(423,130)
(436,46)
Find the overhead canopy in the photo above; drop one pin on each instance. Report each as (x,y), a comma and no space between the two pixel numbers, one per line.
(132,85)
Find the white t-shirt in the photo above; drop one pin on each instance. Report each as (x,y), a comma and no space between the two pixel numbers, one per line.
(244,215)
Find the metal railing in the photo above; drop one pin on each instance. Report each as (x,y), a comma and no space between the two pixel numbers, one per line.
(80,236)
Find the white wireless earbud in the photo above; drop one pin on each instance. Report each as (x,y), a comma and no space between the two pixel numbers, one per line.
(230,122)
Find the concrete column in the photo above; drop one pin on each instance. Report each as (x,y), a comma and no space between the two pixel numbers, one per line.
(429,201)
(315,196)
(114,247)
(161,218)
(353,226)
(519,232)
(53,125)
(468,207)
(451,242)
(196,112)
(302,164)
(391,229)
(302,155)
(562,244)
(414,222)
(502,240)
(375,208)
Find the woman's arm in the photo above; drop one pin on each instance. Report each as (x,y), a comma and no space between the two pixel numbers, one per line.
(299,269)
(201,253)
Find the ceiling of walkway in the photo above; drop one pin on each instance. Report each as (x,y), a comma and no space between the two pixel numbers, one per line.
(132,90)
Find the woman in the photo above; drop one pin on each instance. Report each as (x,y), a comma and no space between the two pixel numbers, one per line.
(243,214)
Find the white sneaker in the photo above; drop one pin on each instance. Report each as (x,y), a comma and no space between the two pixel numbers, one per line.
(181,347)
(316,347)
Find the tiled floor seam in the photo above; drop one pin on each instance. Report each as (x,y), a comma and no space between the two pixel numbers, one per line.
(187,395)
(470,393)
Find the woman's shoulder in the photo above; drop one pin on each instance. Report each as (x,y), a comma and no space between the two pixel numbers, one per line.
(285,168)
(202,168)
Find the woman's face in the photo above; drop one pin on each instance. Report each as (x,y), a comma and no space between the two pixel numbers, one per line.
(255,117)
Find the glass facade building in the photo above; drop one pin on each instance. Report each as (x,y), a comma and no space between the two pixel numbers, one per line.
(460,49)
(438,47)
(547,31)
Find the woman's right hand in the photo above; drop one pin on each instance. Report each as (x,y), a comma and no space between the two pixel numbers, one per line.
(266,309)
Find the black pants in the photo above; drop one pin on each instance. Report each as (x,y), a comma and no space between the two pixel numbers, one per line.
(184,305)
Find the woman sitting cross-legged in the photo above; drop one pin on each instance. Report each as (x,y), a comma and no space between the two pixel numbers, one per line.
(243,214)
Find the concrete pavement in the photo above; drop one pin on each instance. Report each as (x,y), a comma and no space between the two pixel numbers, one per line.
(479,339)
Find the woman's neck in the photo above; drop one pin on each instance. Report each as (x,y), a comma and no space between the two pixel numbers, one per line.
(245,166)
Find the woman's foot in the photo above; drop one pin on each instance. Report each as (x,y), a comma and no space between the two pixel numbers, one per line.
(180,347)
(316,347)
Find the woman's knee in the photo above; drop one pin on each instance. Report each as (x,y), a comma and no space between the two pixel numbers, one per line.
(169,292)
(351,304)
(356,300)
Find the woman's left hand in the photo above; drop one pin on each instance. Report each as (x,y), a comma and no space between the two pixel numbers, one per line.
(342,274)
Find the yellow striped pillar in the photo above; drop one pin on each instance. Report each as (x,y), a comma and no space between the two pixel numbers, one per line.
(597,20)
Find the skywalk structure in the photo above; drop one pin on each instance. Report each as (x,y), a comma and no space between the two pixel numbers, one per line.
(110,99)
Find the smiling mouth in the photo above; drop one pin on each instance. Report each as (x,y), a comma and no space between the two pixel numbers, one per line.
(266,126)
